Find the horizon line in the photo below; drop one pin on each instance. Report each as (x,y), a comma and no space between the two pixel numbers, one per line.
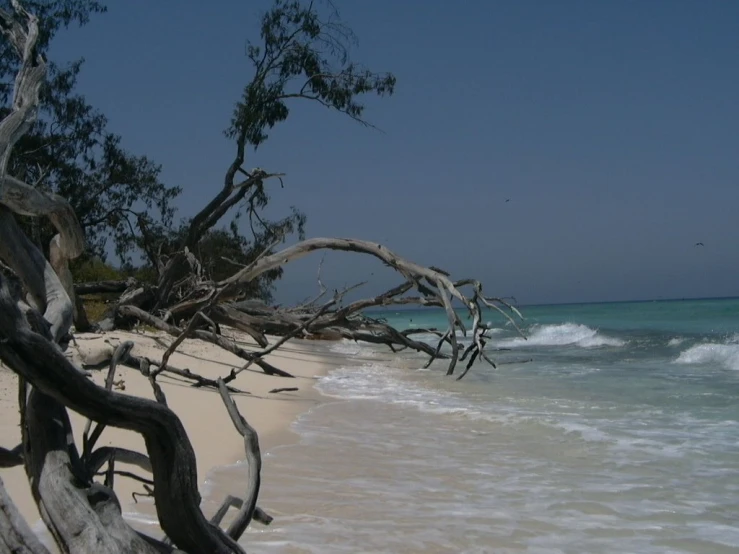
(571,303)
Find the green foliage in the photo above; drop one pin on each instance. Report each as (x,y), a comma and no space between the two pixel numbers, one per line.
(302,56)
(93,269)
(222,252)
(144,274)
(52,15)
(70,151)
(119,197)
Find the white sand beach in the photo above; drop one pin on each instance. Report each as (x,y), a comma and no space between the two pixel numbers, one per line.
(201,410)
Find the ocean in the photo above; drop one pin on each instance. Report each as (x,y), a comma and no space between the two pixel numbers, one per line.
(613,428)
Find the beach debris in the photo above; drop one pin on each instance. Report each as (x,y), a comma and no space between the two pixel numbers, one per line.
(284,389)
(82,514)
(39,304)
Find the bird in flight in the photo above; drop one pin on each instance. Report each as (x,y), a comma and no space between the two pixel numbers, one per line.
(699,244)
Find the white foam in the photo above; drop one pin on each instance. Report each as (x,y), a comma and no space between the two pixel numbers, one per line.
(562,334)
(587,472)
(588,433)
(348,347)
(723,355)
(384,384)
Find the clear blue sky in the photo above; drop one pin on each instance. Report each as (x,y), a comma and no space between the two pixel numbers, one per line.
(612,127)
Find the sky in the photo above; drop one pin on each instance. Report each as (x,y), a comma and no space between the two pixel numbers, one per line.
(568,151)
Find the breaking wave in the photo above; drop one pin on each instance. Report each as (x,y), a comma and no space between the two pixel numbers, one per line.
(724,355)
(562,334)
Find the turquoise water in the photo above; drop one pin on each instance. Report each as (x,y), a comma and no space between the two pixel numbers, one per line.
(668,316)
(613,428)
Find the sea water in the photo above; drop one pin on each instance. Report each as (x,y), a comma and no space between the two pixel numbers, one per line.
(611,428)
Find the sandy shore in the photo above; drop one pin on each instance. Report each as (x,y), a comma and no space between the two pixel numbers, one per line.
(202,412)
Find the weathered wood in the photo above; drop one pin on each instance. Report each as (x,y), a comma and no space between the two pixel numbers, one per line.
(283,389)
(444,338)
(99,457)
(189,330)
(47,291)
(218,340)
(85,516)
(98,287)
(89,439)
(12,457)
(198,380)
(16,537)
(170,451)
(232,501)
(259,355)
(226,315)
(254,465)
(435,286)
(59,260)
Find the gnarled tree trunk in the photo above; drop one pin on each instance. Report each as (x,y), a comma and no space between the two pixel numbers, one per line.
(83,516)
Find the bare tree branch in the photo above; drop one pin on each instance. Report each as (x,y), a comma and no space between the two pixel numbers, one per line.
(254,462)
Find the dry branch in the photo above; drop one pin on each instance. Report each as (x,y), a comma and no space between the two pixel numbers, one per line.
(218,340)
(89,440)
(81,514)
(11,458)
(98,287)
(122,455)
(48,293)
(254,462)
(138,362)
(16,536)
(435,286)
(170,451)
(182,336)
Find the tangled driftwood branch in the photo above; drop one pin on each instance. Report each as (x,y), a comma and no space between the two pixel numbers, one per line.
(82,514)
(37,308)
(213,304)
(434,285)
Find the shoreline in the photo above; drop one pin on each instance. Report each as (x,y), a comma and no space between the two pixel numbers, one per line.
(215,442)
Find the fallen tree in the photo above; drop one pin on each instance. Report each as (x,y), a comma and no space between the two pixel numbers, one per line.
(297,60)
(82,514)
(37,306)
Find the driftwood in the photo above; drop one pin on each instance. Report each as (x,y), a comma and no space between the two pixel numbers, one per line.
(39,303)
(48,293)
(99,287)
(215,301)
(434,285)
(216,339)
(83,515)
(15,534)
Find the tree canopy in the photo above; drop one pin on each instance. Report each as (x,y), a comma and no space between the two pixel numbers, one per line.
(191,299)
(70,151)
(302,56)
(120,199)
